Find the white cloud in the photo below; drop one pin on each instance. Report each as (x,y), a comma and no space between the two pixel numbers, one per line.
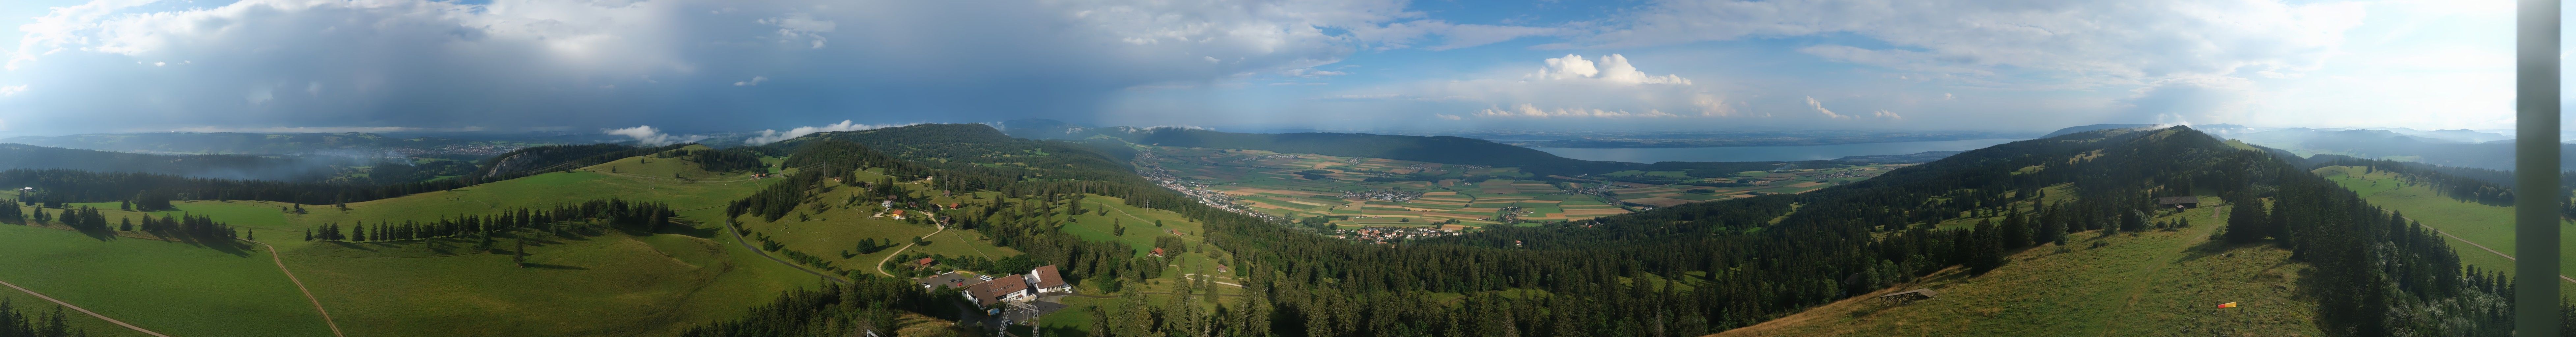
(755,80)
(1613,69)
(1820,109)
(1453,36)
(1526,110)
(648,136)
(1829,114)
(1569,86)
(6,91)
(1449,116)
(1311,72)
(801,26)
(773,136)
(2080,43)
(2189,100)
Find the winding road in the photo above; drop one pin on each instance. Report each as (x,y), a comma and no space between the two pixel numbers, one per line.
(899,251)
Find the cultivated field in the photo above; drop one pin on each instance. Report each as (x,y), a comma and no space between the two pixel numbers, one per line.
(1435,195)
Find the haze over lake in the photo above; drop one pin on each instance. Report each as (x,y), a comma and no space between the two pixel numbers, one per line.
(1770,153)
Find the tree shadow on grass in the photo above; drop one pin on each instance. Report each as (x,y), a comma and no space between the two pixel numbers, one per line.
(351,245)
(2211,247)
(552,266)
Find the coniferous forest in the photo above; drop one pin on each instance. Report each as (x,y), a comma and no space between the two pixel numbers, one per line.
(16,321)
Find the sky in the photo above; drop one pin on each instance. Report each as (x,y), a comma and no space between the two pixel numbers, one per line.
(671,68)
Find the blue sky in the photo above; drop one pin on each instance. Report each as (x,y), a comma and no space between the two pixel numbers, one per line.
(696,66)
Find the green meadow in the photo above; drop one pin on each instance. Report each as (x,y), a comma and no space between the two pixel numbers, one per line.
(176,289)
(613,283)
(2490,226)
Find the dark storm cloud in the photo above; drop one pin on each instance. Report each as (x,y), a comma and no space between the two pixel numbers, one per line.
(680,64)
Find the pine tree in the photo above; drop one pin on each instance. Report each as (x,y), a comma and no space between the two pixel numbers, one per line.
(2245,223)
(2016,233)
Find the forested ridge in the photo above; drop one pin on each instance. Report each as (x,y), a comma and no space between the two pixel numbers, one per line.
(55,187)
(282,168)
(1704,267)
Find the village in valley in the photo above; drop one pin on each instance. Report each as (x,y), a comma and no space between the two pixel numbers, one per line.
(1384,200)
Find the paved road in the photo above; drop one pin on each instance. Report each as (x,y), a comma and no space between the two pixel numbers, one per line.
(85,311)
(299,286)
(746,244)
(899,251)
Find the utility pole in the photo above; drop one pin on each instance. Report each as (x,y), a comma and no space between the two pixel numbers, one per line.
(2536,168)
(1032,309)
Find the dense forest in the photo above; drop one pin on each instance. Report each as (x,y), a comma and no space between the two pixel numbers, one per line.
(2484,186)
(2376,275)
(151,191)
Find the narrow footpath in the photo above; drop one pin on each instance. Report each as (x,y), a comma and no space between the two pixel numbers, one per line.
(299,286)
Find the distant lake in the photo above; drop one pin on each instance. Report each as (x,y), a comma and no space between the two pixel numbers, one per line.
(1770,153)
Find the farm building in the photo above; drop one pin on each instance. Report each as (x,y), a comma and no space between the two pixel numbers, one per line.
(1017,288)
(2178,202)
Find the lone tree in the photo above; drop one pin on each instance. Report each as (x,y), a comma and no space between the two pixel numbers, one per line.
(519,256)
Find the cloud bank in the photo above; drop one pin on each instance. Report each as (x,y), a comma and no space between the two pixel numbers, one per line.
(773,136)
(594,64)
(648,136)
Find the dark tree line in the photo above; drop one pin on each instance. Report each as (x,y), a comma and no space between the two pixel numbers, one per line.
(724,160)
(155,191)
(632,215)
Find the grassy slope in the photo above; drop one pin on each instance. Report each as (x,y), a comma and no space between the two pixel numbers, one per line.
(613,283)
(2155,283)
(172,288)
(2491,226)
(653,284)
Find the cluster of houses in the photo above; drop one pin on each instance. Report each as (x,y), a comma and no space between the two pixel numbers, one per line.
(1385,194)
(1380,235)
(991,292)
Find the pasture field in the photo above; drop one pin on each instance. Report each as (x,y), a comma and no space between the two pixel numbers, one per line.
(172,288)
(1311,185)
(2485,225)
(580,285)
(2153,283)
